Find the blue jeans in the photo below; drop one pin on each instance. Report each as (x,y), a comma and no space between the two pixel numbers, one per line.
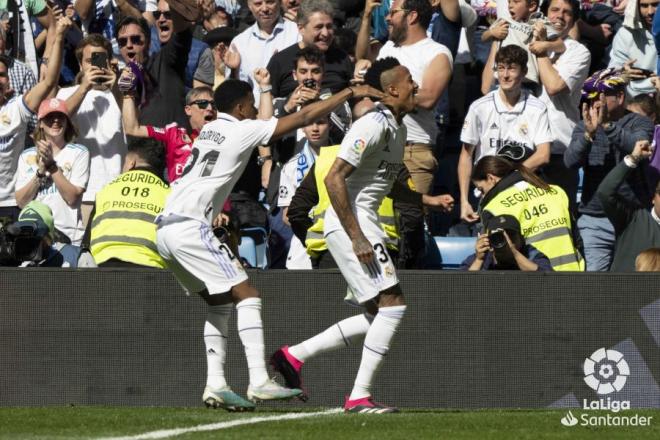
(598,238)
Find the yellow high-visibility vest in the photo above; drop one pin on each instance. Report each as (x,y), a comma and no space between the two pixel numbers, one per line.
(315,241)
(544,220)
(123,225)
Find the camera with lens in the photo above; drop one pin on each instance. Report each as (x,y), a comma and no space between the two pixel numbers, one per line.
(497,239)
(20,242)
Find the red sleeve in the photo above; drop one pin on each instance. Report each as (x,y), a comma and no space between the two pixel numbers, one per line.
(160,134)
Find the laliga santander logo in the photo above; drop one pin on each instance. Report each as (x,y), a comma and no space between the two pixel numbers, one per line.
(605,371)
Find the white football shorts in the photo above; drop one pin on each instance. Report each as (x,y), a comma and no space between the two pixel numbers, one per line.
(365,281)
(197,258)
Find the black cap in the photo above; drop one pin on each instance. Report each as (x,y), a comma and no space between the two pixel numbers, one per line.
(220,35)
(508,222)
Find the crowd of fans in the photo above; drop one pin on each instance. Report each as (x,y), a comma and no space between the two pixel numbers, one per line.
(539,119)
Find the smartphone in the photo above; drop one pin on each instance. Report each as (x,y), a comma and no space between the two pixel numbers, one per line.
(644,72)
(310,83)
(100,60)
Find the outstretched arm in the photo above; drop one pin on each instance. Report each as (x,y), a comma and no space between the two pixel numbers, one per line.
(314,111)
(37,93)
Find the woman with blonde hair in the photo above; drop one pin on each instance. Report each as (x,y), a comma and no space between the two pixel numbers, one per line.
(56,171)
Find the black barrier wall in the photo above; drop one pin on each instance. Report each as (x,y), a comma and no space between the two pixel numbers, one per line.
(111,337)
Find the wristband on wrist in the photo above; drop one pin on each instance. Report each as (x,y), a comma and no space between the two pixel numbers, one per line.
(262,159)
(265,89)
(40,175)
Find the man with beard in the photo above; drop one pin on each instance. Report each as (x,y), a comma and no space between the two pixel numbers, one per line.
(562,76)
(634,42)
(430,65)
(316,27)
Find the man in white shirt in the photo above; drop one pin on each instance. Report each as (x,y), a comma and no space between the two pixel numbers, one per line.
(95,112)
(504,117)
(369,159)
(254,47)
(562,76)
(203,264)
(15,115)
(430,65)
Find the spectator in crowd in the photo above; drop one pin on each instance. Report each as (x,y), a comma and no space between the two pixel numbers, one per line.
(95,112)
(642,104)
(430,65)
(541,209)
(508,116)
(317,137)
(20,26)
(561,78)
(49,252)
(123,232)
(633,44)
(315,24)
(648,260)
(254,47)
(211,68)
(200,109)
(605,135)
(637,228)
(309,72)
(21,77)
(101,16)
(56,171)
(164,73)
(502,247)
(290,9)
(16,112)
(517,28)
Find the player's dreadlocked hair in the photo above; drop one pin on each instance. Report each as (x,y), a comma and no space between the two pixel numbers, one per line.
(372,77)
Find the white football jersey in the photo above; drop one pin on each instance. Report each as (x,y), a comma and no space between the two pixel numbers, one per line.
(489,124)
(374,146)
(14,117)
(219,156)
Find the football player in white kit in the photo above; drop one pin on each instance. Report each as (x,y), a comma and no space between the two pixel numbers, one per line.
(368,162)
(204,265)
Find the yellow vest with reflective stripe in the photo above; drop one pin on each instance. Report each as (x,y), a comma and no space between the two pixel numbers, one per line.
(123,225)
(315,242)
(544,220)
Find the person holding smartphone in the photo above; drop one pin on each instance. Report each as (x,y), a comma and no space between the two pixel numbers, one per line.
(502,247)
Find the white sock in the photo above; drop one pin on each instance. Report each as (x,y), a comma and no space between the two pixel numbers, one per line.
(340,335)
(251,332)
(376,345)
(216,330)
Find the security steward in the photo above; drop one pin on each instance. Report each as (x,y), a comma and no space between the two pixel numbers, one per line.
(123,233)
(541,209)
(312,193)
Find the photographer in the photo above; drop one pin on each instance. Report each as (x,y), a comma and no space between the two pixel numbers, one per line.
(502,247)
(30,242)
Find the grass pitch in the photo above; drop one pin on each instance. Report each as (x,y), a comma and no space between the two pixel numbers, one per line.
(103,422)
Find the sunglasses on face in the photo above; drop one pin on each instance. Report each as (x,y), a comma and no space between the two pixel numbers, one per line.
(203,103)
(166,14)
(136,40)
